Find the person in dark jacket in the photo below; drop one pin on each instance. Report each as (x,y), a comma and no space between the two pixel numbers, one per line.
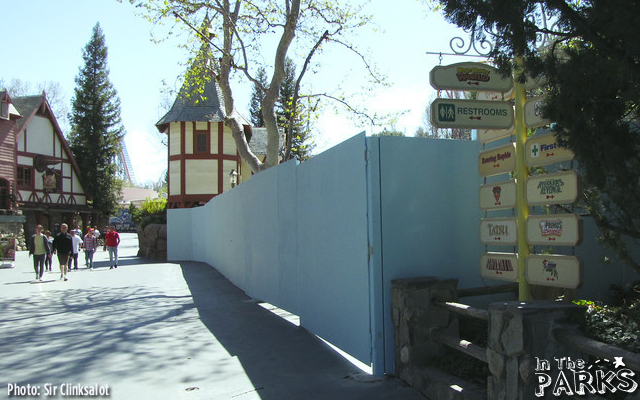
(40,249)
(63,246)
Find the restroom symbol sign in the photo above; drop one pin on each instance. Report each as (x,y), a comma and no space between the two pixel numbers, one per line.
(446,112)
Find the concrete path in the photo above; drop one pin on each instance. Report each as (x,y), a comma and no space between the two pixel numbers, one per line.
(162,331)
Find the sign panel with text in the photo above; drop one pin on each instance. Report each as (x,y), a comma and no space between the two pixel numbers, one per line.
(544,150)
(469,76)
(500,266)
(553,229)
(547,189)
(498,160)
(499,231)
(471,114)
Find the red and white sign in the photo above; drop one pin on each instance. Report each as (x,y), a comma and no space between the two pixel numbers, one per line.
(498,195)
(554,270)
(553,230)
(499,160)
(500,266)
(499,231)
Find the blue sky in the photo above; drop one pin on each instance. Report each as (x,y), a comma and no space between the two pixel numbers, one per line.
(45,41)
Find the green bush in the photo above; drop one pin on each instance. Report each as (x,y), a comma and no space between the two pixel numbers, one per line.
(151,211)
(617,324)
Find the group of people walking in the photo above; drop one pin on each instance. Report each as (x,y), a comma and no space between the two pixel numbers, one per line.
(67,245)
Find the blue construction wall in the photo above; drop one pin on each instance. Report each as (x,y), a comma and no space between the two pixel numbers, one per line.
(324,239)
(294,236)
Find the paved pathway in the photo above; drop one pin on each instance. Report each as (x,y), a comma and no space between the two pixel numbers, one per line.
(162,331)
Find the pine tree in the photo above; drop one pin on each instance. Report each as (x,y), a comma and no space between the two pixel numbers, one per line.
(96,127)
(298,130)
(255,107)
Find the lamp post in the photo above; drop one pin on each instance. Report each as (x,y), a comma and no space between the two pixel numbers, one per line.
(233,178)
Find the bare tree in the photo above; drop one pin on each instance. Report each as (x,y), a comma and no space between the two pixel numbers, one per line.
(237,33)
(55,95)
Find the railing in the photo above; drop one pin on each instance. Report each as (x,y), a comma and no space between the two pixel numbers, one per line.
(426,311)
(463,345)
(596,348)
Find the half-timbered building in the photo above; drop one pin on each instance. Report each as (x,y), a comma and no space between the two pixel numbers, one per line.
(38,167)
(202,151)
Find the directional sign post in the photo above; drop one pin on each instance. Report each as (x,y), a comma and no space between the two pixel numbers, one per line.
(471,114)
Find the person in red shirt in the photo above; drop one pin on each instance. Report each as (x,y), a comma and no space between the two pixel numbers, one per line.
(111,242)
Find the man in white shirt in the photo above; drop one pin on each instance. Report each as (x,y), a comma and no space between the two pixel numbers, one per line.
(76,241)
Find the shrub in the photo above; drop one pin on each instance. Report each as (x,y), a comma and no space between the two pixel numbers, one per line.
(617,324)
(152,211)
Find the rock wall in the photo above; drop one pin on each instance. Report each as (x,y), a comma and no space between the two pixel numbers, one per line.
(152,242)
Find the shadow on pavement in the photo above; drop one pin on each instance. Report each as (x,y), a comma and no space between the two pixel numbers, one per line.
(79,328)
(282,360)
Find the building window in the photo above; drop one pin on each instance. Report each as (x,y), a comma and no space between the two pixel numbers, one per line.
(25,177)
(201,143)
(4,194)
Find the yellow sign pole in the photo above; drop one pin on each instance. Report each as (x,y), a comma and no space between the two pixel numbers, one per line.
(521,176)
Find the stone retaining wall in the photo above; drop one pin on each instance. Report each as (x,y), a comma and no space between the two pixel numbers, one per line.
(152,242)
(518,332)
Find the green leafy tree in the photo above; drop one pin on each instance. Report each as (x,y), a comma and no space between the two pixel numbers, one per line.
(591,60)
(96,127)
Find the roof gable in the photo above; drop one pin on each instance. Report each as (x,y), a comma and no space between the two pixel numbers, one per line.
(29,107)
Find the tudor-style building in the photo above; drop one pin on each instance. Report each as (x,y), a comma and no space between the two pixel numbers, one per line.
(37,166)
(202,151)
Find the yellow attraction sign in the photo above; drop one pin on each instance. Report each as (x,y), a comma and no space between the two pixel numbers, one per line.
(471,114)
(499,231)
(469,76)
(499,160)
(554,270)
(499,195)
(558,188)
(544,150)
(500,266)
(553,230)
(533,113)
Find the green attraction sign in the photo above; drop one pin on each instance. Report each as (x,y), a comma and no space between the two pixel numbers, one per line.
(471,114)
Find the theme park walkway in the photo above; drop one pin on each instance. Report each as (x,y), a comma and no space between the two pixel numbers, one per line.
(162,331)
